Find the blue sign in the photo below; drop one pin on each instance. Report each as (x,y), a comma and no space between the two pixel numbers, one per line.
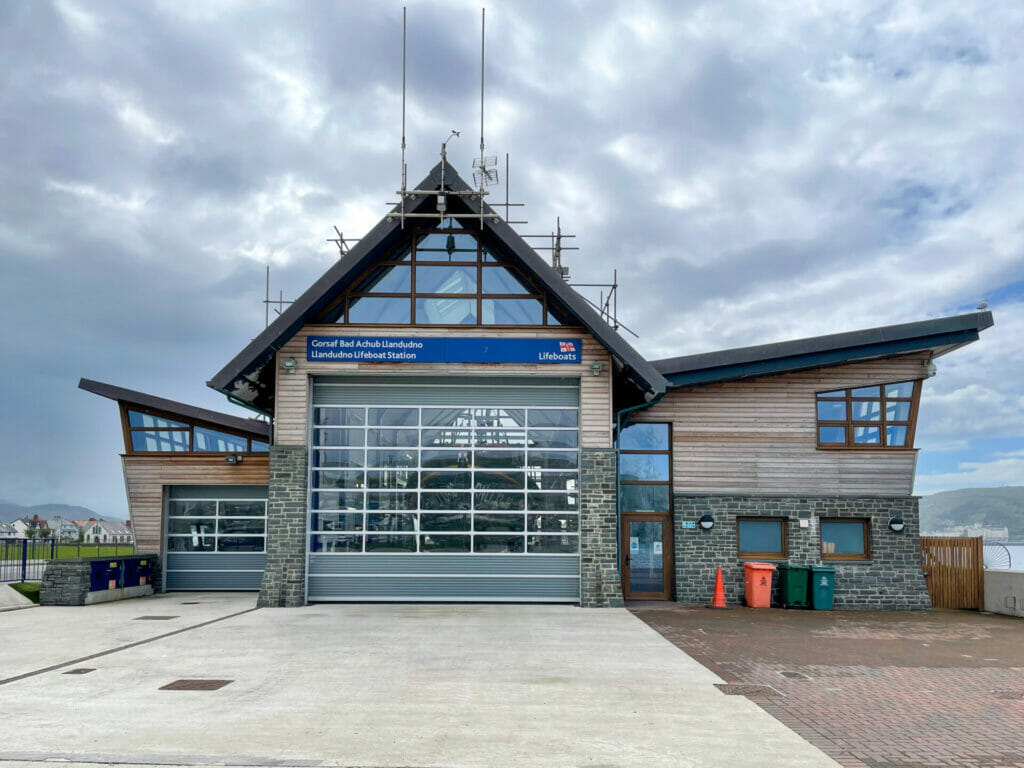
(413,349)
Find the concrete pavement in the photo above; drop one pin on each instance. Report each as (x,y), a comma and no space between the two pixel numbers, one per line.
(11,598)
(370,685)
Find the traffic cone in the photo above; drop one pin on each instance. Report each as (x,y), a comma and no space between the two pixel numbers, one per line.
(719,600)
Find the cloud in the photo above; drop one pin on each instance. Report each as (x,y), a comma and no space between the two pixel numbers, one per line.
(755,172)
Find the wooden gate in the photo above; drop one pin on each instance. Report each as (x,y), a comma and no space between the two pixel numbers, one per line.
(954,571)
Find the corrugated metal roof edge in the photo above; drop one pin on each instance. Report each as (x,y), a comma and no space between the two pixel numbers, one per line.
(186,411)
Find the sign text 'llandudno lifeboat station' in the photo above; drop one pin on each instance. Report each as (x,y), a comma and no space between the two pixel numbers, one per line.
(448,420)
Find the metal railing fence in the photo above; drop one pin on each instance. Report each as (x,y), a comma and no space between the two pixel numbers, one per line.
(25,559)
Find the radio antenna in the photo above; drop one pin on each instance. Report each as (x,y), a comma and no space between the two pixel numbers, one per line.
(404,174)
(486,168)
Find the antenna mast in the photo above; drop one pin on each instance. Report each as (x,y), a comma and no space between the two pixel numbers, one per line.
(404,174)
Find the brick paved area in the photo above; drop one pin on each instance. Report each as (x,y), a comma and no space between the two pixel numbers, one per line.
(871,689)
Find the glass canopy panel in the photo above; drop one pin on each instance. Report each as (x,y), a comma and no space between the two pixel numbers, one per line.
(136,419)
(902,389)
(210,441)
(442,246)
(512,312)
(502,280)
(446,311)
(896,436)
(160,442)
(378,310)
(453,279)
(387,280)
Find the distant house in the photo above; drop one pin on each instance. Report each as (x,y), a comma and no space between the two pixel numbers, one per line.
(24,526)
(107,532)
(7,531)
(63,529)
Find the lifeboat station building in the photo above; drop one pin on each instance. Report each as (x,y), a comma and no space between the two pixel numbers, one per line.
(445,419)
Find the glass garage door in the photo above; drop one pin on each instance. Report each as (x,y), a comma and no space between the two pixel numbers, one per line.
(215,537)
(450,489)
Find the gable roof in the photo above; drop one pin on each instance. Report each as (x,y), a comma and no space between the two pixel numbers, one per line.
(939,336)
(249,376)
(250,427)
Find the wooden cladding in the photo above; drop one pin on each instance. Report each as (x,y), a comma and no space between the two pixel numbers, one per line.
(146,475)
(759,435)
(293,394)
(954,571)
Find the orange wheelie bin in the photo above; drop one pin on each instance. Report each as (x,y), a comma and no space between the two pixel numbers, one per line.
(757,583)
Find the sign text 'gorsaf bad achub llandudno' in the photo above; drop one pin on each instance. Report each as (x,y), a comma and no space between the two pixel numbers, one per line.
(412,349)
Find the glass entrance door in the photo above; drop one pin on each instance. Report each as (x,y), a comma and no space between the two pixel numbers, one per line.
(647,557)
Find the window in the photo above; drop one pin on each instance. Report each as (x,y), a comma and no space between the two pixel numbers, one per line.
(209,525)
(443,277)
(154,432)
(845,540)
(878,416)
(645,465)
(762,538)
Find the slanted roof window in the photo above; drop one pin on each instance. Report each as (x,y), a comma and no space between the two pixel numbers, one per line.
(444,277)
(153,432)
(877,416)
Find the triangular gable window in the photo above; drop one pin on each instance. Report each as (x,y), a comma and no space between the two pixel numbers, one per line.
(445,277)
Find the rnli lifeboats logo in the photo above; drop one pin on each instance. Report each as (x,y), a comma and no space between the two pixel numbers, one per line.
(566,346)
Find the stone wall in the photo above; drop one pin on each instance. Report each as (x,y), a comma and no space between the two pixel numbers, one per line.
(284,580)
(67,582)
(600,584)
(891,579)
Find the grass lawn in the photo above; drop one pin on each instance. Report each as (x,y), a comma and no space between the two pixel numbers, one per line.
(29,589)
(64,551)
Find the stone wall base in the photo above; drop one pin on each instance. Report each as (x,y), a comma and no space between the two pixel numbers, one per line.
(284,580)
(891,580)
(600,583)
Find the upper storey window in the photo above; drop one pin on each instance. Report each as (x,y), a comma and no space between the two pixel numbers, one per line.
(880,416)
(444,277)
(147,432)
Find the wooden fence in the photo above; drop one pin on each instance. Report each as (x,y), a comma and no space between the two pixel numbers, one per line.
(954,571)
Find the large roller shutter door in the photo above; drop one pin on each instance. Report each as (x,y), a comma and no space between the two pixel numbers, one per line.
(444,489)
(215,537)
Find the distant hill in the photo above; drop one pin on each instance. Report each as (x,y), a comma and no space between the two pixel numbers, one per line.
(991,507)
(10,511)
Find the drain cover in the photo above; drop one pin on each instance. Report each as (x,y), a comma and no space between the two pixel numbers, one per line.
(794,675)
(746,690)
(195,685)
(1008,694)
(80,671)
(154,618)
(192,603)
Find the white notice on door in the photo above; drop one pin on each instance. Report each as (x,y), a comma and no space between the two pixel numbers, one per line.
(657,547)
(634,544)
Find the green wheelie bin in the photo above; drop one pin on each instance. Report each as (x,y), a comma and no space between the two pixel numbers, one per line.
(793,581)
(823,587)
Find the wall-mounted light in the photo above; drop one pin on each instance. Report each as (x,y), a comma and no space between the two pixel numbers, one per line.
(233,458)
(896,524)
(707,522)
(596,367)
(289,364)
(930,369)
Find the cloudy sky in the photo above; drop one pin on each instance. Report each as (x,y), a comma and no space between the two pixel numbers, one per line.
(756,172)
